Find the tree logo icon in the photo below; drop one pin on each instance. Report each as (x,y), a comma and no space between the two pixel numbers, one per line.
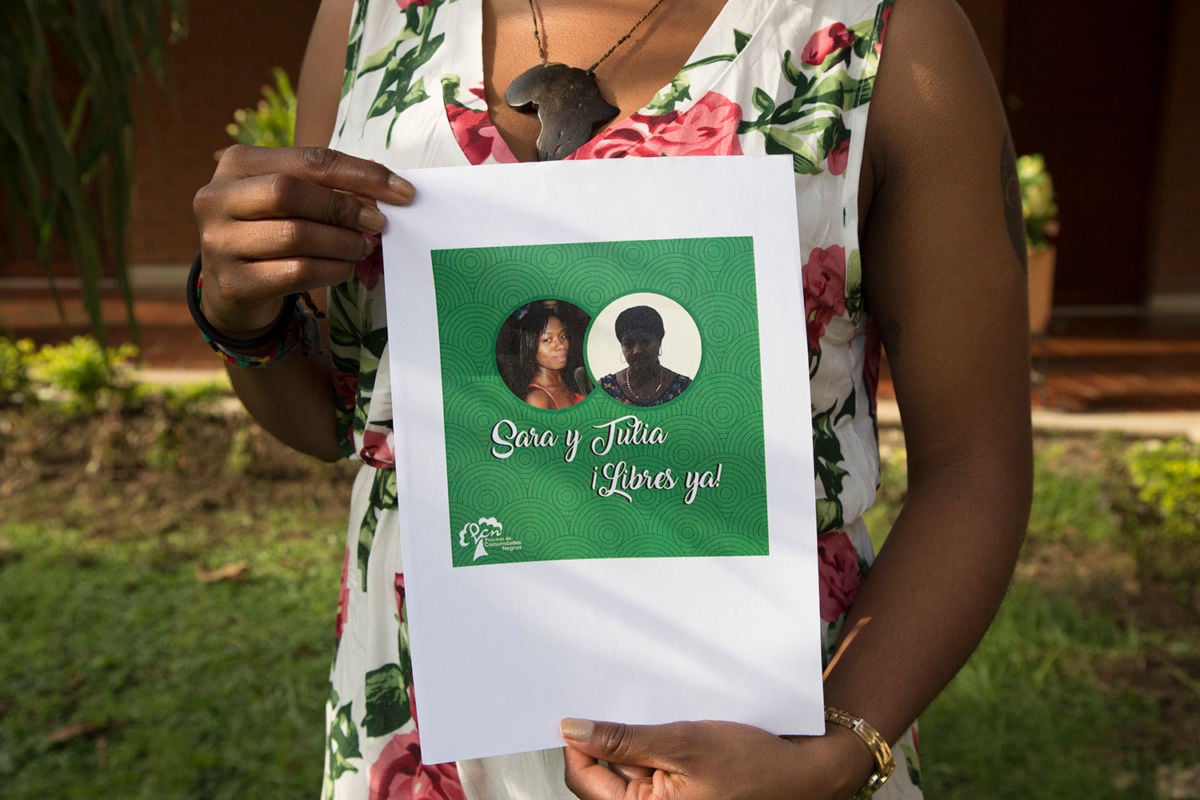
(478,533)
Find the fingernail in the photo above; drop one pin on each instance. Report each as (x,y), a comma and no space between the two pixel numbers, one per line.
(370,242)
(578,729)
(402,187)
(371,220)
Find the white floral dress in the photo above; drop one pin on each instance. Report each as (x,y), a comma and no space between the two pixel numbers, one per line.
(769,76)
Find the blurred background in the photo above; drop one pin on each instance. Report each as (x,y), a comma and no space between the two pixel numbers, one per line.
(1102,91)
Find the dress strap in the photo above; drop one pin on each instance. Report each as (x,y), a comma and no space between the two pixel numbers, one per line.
(553,403)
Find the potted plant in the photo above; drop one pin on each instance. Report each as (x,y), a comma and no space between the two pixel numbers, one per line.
(1041,228)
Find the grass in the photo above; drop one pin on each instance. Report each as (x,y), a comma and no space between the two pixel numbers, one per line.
(1051,705)
(1029,717)
(172,687)
(125,674)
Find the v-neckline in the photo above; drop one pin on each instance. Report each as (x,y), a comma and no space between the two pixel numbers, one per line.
(704,48)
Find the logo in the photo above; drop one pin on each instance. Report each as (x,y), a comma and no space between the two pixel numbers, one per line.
(488,531)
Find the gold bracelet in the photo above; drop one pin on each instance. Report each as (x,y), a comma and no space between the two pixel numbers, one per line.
(885,764)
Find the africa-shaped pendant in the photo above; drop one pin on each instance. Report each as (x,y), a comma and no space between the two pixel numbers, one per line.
(569,106)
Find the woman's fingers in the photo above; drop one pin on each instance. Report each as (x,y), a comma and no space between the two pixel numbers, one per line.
(632,773)
(282,196)
(318,165)
(703,760)
(587,778)
(263,240)
(259,282)
(275,221)
(654,746)
(614,761)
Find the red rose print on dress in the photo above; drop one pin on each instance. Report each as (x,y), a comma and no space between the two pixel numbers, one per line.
(838,158)
(476,134)
(345,387)
(404,4)
(708,128)
(398,586)
(343,598)
(824,290)
(398,774)
(825,41)
(370,268)
(887,12)
(377,448)
(838,572)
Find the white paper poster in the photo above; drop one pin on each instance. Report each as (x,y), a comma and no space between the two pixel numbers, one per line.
(599,552)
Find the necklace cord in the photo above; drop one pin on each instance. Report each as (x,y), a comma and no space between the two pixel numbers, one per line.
(625,38)
(542,48)
(537,36)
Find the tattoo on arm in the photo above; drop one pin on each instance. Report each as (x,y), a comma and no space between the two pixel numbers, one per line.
(1011,188)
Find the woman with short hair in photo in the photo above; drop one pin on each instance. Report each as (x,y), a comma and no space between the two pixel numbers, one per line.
(645,381)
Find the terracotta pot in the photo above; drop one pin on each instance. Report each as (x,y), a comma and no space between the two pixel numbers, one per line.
(1041,287)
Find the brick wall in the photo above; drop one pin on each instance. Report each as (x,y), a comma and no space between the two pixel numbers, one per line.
(221,66)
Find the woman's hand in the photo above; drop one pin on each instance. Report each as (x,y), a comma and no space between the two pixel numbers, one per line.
(275,221)
(710,761)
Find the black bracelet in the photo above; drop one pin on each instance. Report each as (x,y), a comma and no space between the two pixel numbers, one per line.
(220,341)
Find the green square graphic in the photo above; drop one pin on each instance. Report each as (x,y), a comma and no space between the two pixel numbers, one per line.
(600,478)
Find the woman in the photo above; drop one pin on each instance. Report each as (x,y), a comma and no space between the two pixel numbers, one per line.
(909,237)
(645,382)
(543,364)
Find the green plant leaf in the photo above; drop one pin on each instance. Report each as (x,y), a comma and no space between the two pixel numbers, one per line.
(700,62)
(680,89)
(784,141)
(343,742)
(74,183)
(386,700)
(763,101)
(353,47)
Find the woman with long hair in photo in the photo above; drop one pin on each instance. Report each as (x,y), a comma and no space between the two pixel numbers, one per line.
(542,373)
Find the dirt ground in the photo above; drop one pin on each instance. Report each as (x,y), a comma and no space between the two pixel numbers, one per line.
(155,472)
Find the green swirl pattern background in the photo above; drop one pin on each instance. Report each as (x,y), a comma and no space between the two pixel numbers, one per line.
(547,506)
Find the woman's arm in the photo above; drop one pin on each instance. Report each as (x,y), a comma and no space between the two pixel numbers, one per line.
(275,221)
(946,282)
(943,270)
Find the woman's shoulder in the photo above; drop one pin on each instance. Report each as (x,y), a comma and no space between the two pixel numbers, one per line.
(539,396)
(934,90)
(936,113)
(610,384)
(674,388)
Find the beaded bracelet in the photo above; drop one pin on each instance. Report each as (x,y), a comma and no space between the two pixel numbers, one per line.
(885,763)
(295,327)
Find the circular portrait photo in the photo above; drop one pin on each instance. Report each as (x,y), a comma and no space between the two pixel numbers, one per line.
(539,352)
(646,347)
